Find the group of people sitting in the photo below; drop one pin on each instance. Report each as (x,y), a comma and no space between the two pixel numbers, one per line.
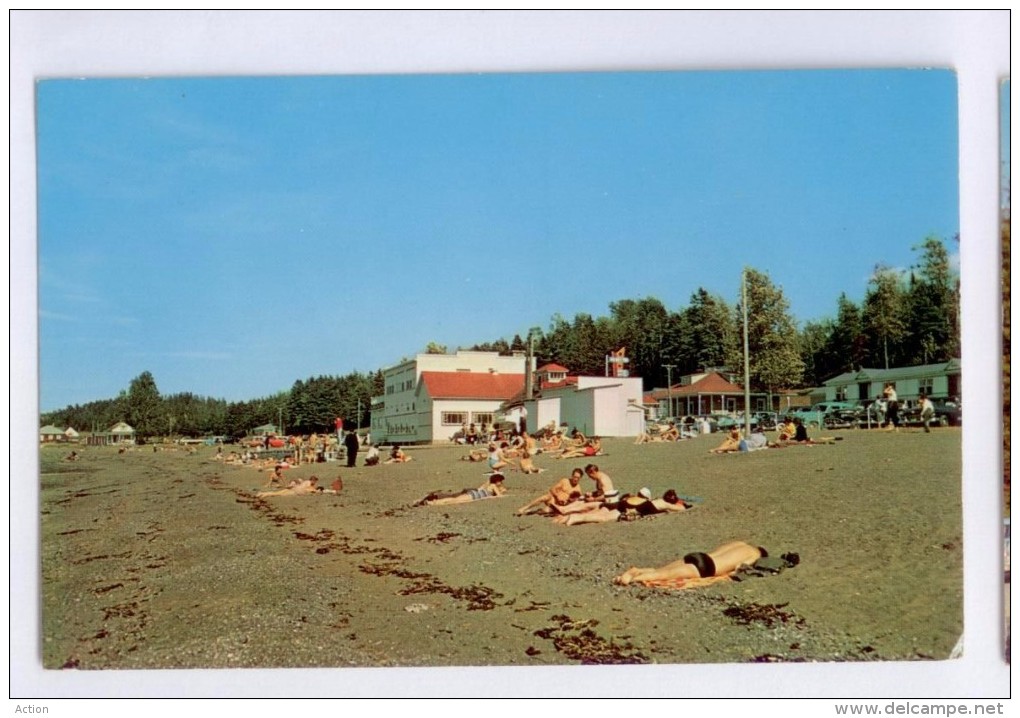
(792,432)
(659,432)
(570,506)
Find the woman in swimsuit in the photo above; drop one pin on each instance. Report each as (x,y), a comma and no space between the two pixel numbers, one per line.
(592,447)
(489,490)
(731,443)
(497,461)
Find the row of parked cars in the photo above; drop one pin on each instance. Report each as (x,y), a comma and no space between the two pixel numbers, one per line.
(838,415)
(852,415)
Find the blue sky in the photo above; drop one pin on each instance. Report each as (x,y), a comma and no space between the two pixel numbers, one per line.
(1004,139)
(232,235)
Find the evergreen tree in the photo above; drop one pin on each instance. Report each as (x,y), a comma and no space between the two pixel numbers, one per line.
(934,307)
(884,319)
(710,337)
(640,326)
(774,356)
(814,341)
(847,346)
(143,405)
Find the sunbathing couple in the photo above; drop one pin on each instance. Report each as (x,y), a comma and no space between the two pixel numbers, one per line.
(793,431)
(627,508)
(736,442)
(718,563)
(491,489)
(303,487)
(661,432)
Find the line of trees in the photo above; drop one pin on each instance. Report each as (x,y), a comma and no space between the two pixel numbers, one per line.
(906,318)
(310,406)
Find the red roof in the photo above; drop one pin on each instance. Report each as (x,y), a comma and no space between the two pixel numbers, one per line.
(710,384)
(552,368)
(471,385)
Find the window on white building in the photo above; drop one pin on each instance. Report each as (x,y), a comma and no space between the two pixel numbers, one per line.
(482,417)
(454,418)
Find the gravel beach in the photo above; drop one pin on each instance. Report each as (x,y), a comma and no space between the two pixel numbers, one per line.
(166,559)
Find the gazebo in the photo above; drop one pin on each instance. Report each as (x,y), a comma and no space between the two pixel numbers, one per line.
(708,394)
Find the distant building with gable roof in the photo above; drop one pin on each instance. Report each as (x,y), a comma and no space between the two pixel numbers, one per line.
(50,434)
(938,381)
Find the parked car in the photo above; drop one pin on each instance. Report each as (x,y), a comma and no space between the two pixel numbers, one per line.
(725,422)
(947,413)
(766,420)
(814,416)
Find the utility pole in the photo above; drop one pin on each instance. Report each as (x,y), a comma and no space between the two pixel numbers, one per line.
(747,363)
(669,386)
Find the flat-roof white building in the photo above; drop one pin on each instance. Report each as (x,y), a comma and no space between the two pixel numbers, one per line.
(595,405)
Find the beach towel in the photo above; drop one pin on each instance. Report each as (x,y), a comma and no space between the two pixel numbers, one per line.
(681,583)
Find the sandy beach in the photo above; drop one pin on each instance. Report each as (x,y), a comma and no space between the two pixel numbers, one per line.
(166,559)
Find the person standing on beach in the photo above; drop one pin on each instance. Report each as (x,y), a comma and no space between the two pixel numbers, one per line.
(351,445)
(927,412)
(892,408)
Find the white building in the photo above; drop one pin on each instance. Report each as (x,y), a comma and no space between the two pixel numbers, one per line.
(431,397)
(595,405)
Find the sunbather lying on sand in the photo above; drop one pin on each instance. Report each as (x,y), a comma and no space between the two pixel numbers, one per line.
(721,561)
(296,488)
(592,447)
(562,493)
(489,490)
(475,455)
(628,508)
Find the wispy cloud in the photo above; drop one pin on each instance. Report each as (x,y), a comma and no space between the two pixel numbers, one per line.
(56,316)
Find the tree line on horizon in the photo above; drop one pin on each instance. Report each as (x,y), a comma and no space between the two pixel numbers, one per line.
(905,319)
